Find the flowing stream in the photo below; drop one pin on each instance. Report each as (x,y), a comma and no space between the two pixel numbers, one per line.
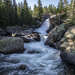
(45,60)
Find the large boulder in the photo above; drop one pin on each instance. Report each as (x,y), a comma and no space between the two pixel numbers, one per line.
(11,45)
(55,35)
(67,45)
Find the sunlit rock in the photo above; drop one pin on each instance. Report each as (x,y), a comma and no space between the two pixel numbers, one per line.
(67,45)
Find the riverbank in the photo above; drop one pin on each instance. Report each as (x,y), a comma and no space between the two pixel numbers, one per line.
(31,54)
(61,37)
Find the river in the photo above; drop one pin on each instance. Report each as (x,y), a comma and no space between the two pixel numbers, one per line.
(45,60)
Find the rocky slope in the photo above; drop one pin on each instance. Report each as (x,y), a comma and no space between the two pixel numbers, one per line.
(67,44)
(63,38)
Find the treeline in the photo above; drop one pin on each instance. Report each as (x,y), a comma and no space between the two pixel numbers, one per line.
(68,9)
(51,9)
(64,7)
(12,13)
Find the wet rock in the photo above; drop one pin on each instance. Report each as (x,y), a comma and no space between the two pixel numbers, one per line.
(11,45)
(68,57)
(31,37)
(22,67)
(36,36)
(25,39)
(33,52)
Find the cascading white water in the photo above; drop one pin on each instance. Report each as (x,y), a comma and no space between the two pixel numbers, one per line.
(44,27)
(46,62)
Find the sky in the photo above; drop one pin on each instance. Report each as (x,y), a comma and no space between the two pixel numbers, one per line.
(44,2)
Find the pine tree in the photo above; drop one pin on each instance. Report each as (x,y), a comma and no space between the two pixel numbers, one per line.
(15,15)
(0,8)
(60,6)
(26,17)
(7,13)
(40,10)
(19,8)
(73,11)
(1,12)
(45,10)
(66,7)
(35,11)
(73,7)
(50,9)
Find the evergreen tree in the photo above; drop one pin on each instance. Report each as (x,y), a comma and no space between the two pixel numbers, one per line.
(60,6)
(19,8)
(1,12)
(73,7)
(7,13)
(15,15)
(66,7)
(35,11)
(26,17)
(50,10)
(73,11)
(0,9)
(45,10)
(40,10)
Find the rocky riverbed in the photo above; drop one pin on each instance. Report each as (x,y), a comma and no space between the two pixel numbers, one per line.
(27,54)
(37,58)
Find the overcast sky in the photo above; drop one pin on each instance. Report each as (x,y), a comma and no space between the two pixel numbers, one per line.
(44,2)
